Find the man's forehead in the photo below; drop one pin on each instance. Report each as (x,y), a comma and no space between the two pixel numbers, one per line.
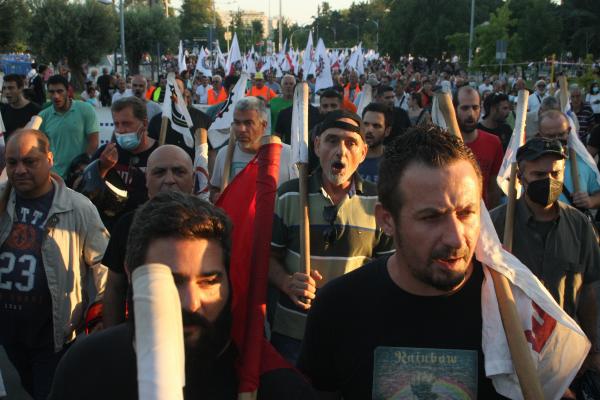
(373,116)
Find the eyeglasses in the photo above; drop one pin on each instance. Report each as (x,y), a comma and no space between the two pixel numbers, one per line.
(330,234)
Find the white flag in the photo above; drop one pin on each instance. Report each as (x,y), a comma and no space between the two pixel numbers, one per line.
(218,132)
(322,67)
(181,58)
(201,168)
(202,65)
(299,130)
(557,344)
(516,140)
(249,65)
(307,57)
(575,143)
(175,109)
(234,58)
(365,99)
(220,62)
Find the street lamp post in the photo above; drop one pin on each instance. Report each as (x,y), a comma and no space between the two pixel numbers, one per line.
(122,15)
(471,33)
(377,25)
(357,31)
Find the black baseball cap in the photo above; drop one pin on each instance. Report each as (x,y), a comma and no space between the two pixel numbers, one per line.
(539,146)
(332,120)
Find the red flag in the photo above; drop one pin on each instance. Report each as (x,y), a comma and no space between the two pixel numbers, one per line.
(249,201)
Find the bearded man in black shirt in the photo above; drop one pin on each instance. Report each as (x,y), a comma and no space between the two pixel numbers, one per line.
(423,302)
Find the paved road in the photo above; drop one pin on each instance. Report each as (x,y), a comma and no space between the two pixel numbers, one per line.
(11,380)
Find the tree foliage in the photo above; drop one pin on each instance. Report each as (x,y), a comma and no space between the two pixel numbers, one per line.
(14,16)
(196,17)
(77,33)
(146,28)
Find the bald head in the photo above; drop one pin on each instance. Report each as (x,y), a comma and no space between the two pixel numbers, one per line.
(138,86)
(169,168)
(554,124)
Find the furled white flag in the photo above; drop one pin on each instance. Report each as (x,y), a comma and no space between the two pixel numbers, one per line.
(322,67)
(234,58)
(175,109)
(181,58)
(202,65)
(249,64)
(516,140)
(307,56)
(201,168)
(299,128)
(365,99)
(220,61)
(218,132)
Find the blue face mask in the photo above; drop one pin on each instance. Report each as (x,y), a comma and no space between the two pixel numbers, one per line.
(595,90)
(128,140)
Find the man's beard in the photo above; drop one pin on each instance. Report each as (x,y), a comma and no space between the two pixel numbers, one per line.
(438,278)
(467,126)
(208,339)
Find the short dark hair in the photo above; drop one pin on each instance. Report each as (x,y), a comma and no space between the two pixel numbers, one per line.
(427,144)
(137,106)
(418,98)
(58,80)
(18,79)
(177,215)
(493,100)
(381,89)
(330,94)
(382,109)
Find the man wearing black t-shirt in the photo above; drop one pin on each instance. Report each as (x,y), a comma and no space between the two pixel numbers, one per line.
(192,238)
(123,163)
(169,168)
(390,327)
(18,112)
(497,108)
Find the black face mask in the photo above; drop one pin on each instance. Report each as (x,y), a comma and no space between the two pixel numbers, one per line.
(544,191)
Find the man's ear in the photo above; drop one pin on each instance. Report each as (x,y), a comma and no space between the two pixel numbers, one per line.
(385,220)
(387,131)
(316,145)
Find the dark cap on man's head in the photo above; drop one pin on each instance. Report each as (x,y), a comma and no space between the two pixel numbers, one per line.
(539,146)
(332,120)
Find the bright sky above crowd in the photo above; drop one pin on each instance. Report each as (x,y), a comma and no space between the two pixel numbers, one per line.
(296,11)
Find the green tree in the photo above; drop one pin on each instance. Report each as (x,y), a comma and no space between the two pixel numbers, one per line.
(499,27)
(14,16)
(145,29)
(196,17)
(582,27)
(78,33)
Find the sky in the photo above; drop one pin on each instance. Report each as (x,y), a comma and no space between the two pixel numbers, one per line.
(300,11)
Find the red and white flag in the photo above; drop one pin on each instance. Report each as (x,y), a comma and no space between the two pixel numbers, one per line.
(234,58)
(516,140)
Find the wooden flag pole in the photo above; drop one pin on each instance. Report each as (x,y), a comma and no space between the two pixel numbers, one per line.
(164,123)
(564,102)
(228,160)
(303,189)
(517,343)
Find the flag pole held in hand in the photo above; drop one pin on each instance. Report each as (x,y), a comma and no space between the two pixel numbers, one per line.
(299,143)
(564,104)
(515,335)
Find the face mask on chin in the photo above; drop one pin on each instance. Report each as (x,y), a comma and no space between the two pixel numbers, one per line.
(544,192)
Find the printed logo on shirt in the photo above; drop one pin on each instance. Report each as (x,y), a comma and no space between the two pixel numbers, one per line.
(415,373)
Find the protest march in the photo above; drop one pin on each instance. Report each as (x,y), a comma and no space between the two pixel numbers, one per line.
(308,222)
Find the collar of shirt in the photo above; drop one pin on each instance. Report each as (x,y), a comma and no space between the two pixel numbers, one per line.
(525,214)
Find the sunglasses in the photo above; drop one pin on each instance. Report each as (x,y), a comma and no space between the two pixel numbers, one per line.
(331,233)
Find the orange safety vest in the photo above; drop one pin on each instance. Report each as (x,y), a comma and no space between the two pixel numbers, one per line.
(213,98)
(347,92)
(266,92)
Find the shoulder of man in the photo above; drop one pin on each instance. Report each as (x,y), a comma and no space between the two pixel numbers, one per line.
(292,185)
(285,383)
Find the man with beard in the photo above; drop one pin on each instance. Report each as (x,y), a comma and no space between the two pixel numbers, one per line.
(139,88)
(377,123)
(486,147)
(554,240)
(536,98)
(400,122)
(343,231)
(426,295)
(496,108)
(288,83)
(192,237)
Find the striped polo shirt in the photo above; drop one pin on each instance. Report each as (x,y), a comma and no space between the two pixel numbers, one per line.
(355,240)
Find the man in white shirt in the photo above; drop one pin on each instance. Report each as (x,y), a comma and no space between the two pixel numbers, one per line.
(122,90)
(202,90)
(486,86)
(249,125)
(535,100)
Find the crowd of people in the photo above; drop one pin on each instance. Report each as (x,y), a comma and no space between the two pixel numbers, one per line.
(394,211)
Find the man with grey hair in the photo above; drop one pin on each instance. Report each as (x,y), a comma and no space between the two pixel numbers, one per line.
(533,117)
(249,125)
(283,101)
(583,111)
